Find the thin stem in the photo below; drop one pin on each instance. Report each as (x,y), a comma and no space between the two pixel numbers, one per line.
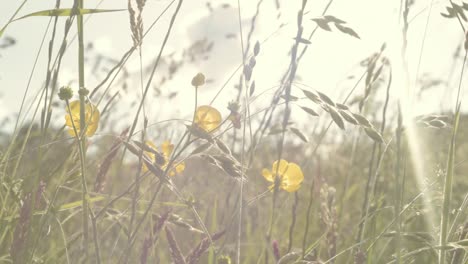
(155,66)
(448,182)
(194,110)
(241,187)
(293,221)
(82,138)
(85,189)
(307,219)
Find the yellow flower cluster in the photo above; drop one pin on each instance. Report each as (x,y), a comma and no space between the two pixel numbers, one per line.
(285,175)
(167,148)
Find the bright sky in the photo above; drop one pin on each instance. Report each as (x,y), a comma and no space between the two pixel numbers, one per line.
(330,59)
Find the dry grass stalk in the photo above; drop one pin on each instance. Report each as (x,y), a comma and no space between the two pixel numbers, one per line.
(176,254)
(152,237)
(459,252)
(156,170)
(328,217)
(17,249)
(105,165)
(201,248)
(201,148)
(136,21)
(230,166)
(276,251)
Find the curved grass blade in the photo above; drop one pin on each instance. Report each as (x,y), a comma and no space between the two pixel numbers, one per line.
(68,12)
(372,133)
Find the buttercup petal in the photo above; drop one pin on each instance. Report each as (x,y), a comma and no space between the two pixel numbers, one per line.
(167,148)
(283,166)
(151,156)
(92,117)
(293,175)
(180,167)
(75,108)
(267,175)
(207,118)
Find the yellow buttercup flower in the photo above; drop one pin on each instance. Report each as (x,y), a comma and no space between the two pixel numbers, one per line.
(91,114)
(289,175)
(166,149)
(207,118)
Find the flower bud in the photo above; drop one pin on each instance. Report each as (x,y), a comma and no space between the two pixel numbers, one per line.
(65,93)
(198,80)
(83,91)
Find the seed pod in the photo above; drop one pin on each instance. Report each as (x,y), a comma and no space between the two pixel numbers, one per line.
(291,97)
(342,106)
(231,171)
(256,48)
(326,99)
(131,147)
(372,133)
(247,72)
(223,159)
(437,123)
(466,36)
(312,96)
(336,117)
(201,148)
(223,146)
(298,133)
(362,120)
(210,159)
(252,88)
(158,157)
(348,117)
(196,131)
(310,111)
(252,62)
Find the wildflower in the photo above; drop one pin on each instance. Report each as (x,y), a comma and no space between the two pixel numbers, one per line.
(167,148)
(73,114)
(198,80)
(289,177)
(207,118)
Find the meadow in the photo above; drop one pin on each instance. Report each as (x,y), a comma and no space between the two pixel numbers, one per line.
(284,174)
